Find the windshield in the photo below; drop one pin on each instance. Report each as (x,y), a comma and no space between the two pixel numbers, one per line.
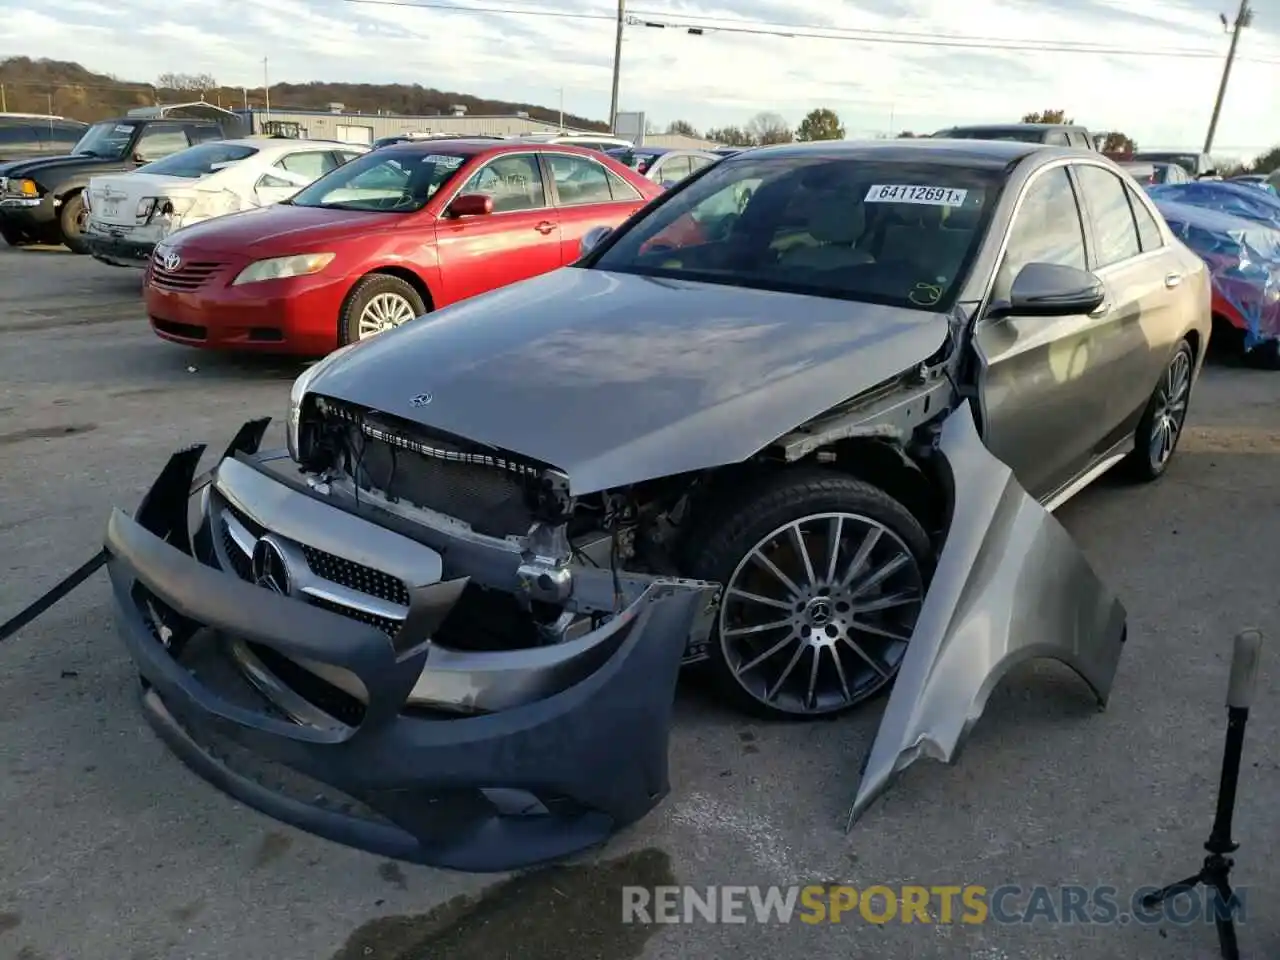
(401,181)
(201,161)
(881,232)
(109,140)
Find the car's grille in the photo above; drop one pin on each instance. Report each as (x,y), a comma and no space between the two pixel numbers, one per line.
(356,576)
(188,276)
(366,581)
(404,461)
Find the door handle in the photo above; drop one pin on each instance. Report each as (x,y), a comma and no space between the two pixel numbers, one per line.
(1171,280)
(545,227)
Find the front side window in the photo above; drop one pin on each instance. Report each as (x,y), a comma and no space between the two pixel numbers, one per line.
(876,231)
(673,168)
(578,180)
(1114,230)
(514,183)
(396,181)
(161,140)
(202,160)
(1046,229)
(108,140)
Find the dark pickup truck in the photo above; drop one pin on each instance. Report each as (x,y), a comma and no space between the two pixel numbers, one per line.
(40,197)
(1050,134)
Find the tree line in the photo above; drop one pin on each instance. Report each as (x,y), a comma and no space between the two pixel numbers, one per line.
(768,127)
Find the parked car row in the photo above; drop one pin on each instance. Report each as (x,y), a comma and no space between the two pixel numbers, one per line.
(800,417)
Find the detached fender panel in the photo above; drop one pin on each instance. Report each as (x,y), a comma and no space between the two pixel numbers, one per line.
(1010,586)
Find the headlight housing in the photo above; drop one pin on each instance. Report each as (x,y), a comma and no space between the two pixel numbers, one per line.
(23,188)
(298,393)
(280,268)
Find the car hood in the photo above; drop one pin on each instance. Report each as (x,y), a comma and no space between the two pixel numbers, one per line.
(282,225)
(35,166)
(617,378)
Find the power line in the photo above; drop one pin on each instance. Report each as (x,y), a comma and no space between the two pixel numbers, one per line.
(816,32)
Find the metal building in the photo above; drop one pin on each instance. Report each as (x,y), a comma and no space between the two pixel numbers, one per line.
(338,124)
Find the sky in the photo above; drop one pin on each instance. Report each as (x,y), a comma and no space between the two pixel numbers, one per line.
(717,78)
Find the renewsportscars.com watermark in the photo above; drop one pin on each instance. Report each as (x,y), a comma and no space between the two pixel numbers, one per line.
(908,903)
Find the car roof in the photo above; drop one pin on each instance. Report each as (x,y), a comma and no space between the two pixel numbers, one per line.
(970,153)
(470,147)
(283,143)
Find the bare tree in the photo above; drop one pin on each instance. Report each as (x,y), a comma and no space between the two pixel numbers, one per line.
(769,127)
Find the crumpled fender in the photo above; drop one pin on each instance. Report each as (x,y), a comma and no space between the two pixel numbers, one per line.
(1010,586)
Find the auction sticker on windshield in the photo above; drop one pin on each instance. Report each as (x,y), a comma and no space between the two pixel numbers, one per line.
(929,196)
(443,160)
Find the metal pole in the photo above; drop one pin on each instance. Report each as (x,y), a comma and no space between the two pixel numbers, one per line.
(266,91)
(617,67)
(4,104)
(1242,20)
(562,109)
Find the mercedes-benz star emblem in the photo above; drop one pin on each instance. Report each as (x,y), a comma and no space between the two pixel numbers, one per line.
(172,261)
(269,567)
(421,400)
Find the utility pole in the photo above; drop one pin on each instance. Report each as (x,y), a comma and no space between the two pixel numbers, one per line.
(1244,17)
(562,109)
(4,104)
(617,66)
(266,92)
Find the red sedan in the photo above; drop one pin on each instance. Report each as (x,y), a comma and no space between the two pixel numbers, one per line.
(387,237)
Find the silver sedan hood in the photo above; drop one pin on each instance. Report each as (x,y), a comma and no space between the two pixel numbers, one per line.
(616,378)
(1010,586)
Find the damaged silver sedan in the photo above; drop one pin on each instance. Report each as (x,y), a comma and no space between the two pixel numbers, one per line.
(801,421)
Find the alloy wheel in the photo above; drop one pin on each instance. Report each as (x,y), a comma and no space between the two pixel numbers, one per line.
(383,312)
(1170,409)
(818,614)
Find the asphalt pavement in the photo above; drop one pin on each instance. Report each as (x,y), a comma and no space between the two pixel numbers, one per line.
(111,850)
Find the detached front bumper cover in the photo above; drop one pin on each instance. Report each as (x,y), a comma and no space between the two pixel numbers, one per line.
(499,791)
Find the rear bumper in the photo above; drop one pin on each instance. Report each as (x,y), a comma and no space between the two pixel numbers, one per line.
(543,779)
(119,251)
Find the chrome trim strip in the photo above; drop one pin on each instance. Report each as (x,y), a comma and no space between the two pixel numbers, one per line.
(297,517)
(297,708)
(1086,478)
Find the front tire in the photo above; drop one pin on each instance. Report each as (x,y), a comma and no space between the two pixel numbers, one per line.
(377,303)
(1160,428)
(71,222)
(823,576)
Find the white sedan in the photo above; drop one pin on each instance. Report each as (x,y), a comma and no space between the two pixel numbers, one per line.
(129,213)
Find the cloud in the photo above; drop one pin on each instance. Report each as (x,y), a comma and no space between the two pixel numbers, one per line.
(718,78)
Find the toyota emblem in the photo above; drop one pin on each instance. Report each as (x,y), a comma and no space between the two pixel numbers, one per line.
(269,567)
(172,262)
(421,400)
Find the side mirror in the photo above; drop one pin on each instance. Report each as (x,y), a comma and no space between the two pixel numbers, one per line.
(471,205)
(141,159)
(591,239)
(1051,290)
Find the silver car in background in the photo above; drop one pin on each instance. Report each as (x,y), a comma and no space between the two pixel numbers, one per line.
(664,165)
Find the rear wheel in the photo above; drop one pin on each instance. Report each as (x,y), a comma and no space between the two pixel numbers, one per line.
(823,580)
(72,223)
(379,302)
(1160,428)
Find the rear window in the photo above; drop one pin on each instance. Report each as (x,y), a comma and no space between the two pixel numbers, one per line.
(201,161)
